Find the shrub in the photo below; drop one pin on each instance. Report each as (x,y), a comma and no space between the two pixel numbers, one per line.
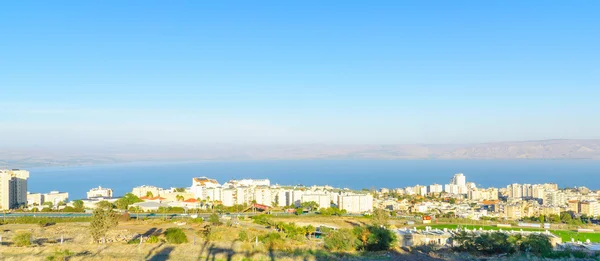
(380,239)
(536,244)
(175,235)
(69,209)
(214,219)
(272,240)
(60,255)
(262,219)
(22,239)
(243,236)
(340,240)
(153,239)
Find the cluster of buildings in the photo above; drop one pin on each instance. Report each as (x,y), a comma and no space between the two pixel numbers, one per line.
(461,198)
(205,192)
(516,201)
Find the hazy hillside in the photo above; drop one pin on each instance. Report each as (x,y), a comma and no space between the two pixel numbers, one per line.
(547,149)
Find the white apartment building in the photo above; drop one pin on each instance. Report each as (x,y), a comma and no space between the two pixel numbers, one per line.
(262,195)
(356,203)
(13,188)
(458,185)
(100,192)
(281,197)
(483,194)
(35,199)
(56,197)
(200,186)
(420,190)
(459,179)
(296,197)
(435,188)
(556,198)
(452,189)
(228,197)
(212,194)
(142,191)
(324,200)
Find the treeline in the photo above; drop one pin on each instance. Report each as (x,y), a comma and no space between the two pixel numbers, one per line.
(565,217)
(497,243)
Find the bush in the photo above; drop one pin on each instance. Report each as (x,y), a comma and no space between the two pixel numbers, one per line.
(22,239)
(536,244)
(175,235)
(272,240)
(60,255)
(153,239)
(262,219)
(69,209)
(214,219)
(340,240)
(380,239)
(243,236)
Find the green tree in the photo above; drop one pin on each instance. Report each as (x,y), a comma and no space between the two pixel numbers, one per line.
(554,218)
(537,244)
(380,217)
(69,209)
(299,211)
(311,205)
(340,240)
(180,190)
(149,194)
(243,236)
(48,204)
(105,205)
(566,217)
(126,200)
(78,204)
(214,219)
(103,219)
(380,238)
(362,234)
(175,235)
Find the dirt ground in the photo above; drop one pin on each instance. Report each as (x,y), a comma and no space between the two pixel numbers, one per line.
(224,244)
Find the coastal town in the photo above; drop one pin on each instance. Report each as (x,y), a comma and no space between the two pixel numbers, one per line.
(459,198)
(419,215)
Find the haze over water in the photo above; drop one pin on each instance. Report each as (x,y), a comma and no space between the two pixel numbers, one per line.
(353,174)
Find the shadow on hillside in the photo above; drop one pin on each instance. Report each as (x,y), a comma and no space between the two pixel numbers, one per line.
(161,255)
(152,250)
(211,252)
(152,231)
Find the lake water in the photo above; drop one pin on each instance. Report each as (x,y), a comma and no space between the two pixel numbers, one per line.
(354,174)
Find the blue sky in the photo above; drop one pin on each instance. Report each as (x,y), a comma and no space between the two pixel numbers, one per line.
(273,72)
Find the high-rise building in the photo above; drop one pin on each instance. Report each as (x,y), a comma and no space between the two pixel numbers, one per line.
(459,180)
(435,188)
(13,188)
(99,192)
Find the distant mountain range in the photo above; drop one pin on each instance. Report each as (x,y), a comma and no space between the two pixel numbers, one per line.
(544,149)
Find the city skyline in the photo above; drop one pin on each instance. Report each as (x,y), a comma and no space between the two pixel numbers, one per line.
(105,74)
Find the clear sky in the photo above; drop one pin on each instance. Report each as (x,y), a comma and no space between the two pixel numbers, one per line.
(273,72)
